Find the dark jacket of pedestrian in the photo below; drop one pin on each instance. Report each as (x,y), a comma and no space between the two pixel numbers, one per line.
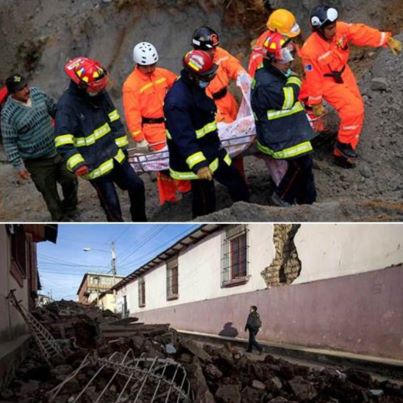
(253,322)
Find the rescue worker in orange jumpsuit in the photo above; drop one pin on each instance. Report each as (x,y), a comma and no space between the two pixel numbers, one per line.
(143,98)
(229,68)
(281,21)
(328,77)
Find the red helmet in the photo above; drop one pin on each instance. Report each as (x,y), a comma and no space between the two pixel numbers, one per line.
(87,73)
(200,63)
(277,48)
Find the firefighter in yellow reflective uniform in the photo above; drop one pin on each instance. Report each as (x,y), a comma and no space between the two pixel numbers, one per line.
(282,128)
(91,138)
(195,150)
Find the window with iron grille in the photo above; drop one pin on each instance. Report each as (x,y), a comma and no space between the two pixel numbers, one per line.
(234,269)
(142,292)
(172,279)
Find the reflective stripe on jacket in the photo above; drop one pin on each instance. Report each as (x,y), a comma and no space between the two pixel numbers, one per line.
(321,57)
(192,135)
(89,132)
(282,128)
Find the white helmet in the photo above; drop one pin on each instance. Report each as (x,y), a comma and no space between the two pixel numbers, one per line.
(144,54)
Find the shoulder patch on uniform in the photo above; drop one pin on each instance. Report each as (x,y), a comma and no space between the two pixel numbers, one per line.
(308,67)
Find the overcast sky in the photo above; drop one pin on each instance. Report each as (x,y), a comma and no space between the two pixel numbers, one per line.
(62,265)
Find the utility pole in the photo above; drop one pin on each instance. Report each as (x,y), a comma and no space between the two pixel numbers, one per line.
(113,264)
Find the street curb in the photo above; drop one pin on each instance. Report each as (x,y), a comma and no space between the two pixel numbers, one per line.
(388,367)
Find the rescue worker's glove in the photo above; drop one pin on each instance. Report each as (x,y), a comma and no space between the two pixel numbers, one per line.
(394,45)
(205,173)
(143,145)
(24,174)
(318,110)
(82,170)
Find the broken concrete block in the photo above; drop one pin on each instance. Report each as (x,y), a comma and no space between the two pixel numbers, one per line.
(375,392)
(213,372)
(258,385)
(229,393)
(273,384)
(170,348)
(279,399)
(302,389)
(192,347)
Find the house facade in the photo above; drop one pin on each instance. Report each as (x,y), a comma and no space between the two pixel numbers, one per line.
(207,281)
(93,290)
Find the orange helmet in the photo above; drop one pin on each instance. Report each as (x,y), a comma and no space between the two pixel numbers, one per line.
(87,73)
(277,48)
(284,22)
(200,63)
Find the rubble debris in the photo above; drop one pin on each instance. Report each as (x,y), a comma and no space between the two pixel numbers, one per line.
(46,342)
(140,366)
(144,379)
(76,322)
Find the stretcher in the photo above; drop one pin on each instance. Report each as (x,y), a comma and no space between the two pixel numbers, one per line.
(236,137)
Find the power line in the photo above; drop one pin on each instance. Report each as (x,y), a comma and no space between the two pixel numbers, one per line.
(74,265)
(161,247)
(145,240)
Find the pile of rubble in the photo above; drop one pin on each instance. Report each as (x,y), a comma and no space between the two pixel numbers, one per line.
(131,361)
(76,322)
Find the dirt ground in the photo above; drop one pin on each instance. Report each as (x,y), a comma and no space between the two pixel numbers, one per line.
(373,190)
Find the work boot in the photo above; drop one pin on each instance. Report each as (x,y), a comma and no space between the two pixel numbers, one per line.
(276,200)
(344,162)
(345,150)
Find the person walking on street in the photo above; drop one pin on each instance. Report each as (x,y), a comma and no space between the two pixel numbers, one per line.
(28,136)
(253,324)
(91,138)
(282,128)
(143,99)
(195,150)
(328,77)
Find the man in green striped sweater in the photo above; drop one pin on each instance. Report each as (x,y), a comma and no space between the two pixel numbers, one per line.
(28,138)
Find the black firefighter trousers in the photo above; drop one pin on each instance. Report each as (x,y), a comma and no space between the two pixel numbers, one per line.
(203,191)
(125,177)
(298,184)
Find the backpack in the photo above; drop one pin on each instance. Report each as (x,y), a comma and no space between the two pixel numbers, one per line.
(255,321)
(258,321)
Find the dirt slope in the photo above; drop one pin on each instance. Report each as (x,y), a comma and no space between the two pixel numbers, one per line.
(39,35)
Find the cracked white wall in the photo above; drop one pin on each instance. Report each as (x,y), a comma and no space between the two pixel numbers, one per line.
(325,250)
(334,250)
